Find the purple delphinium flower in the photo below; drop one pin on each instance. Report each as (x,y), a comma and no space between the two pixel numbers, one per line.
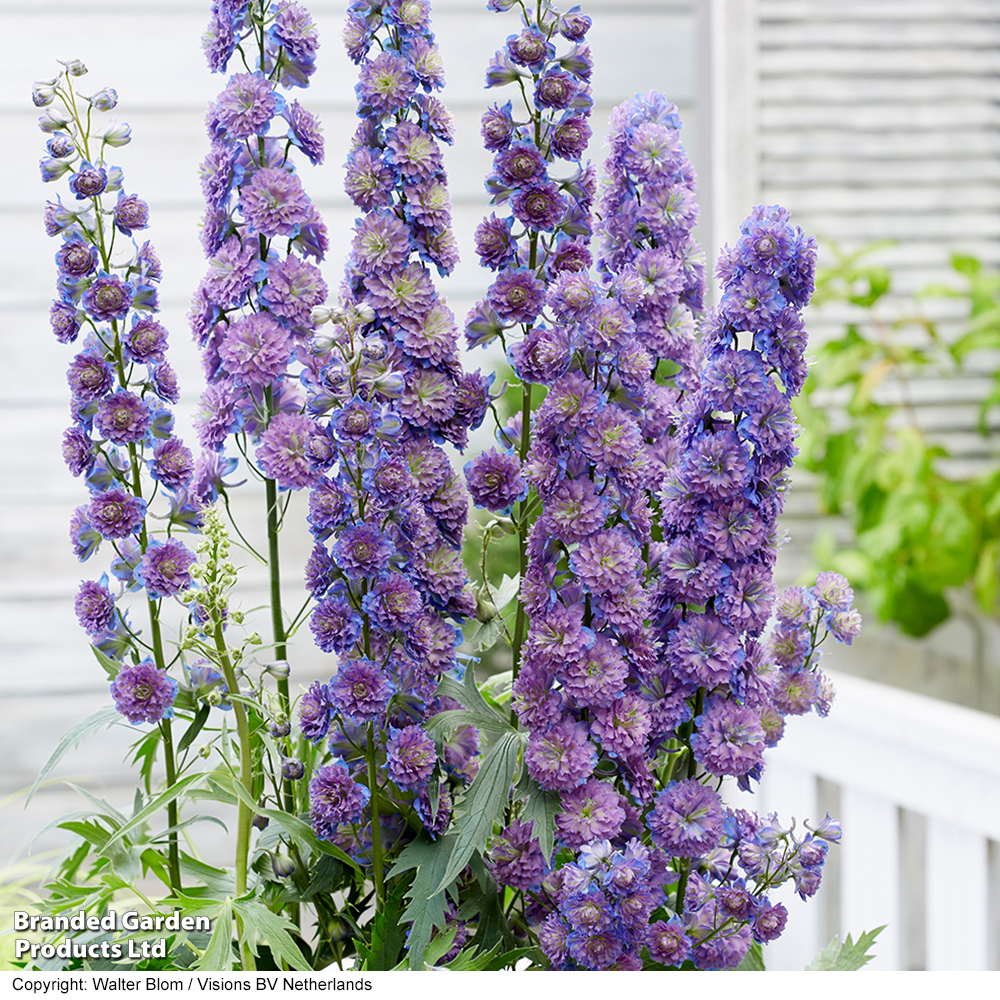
(142,693)
(165,568)
(686,818)
(515,858)
(315,709)
(561,758)
(94,606)
(494,480)
(335,798)
(360,690)
(591,812)
(115,513)
(410,756)
(730,739)
(284,453)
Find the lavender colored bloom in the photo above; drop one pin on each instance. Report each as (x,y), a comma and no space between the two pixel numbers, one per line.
(794,692)
(246,106)
(667,942)
(539,206)
(304,130)
(256,349)
(769,921)
(94,606)
(381,242)
(335,625)
(393,604)
(612,439)
(335,798)
(405,294)
(574,510)
(844,625)
(284,453)
(515,858)
(570,137)
(165,568)
(606,560)
(360,690)
(88,181)
(689,572)
(315,709)
(561,758)
(65,321)
(108,298)
(623,726)
(494,243)
(275,203)
(730,739)
(591,812)
(145,341)
(595,676)
(115,513)
(356,422)
(703,651)
(495,480)
(686,819)
(172,463)
(130,212)
(78,450)
(75,258)
(433,337)
(369,180)
(497,127)
(517,295)
(413,152)
(143,694)
(385,84)
(123,418)
(363,550)
(724,951)
(410,756)
(832,592)
(746,597)
(89,377)
(294,288)
(555,89)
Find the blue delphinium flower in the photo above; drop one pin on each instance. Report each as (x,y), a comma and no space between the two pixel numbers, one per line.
(119,383)
(388,511)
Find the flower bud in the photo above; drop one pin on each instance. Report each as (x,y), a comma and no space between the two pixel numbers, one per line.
(105,99)
(52,169)
(43,93)
(279,669)
(117,134)
(54,121)
(292,769)
(281,866)
(61,146)
(75,67)
(260,822)
(486,610)
(279,728)
(321,315)
(320,343)
(205,752)
(365,312)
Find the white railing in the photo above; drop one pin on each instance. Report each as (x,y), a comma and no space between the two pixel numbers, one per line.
(917,785)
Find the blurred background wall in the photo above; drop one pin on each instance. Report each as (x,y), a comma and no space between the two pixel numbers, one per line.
(868,119)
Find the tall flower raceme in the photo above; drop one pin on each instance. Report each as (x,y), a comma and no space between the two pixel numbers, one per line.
(252,313)
(647,575)
(388,516)
(121,441)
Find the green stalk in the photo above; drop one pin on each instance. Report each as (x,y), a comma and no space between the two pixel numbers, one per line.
(376,830)
(244,818)
(520,621)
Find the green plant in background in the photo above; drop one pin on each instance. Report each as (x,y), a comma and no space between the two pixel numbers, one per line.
(918,530)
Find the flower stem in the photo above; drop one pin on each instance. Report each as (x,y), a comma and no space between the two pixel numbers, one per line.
(520,622)
(376,829)
(244,819)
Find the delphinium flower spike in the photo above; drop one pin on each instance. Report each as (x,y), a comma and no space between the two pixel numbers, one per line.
(252,313)
(121,441)
(388,516)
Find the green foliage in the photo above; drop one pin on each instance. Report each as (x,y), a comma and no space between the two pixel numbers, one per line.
(848,956)
(917,532)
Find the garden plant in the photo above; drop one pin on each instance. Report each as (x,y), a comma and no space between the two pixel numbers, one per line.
(569,812)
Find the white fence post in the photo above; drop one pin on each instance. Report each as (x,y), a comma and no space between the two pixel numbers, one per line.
(869,872)
(957,900)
